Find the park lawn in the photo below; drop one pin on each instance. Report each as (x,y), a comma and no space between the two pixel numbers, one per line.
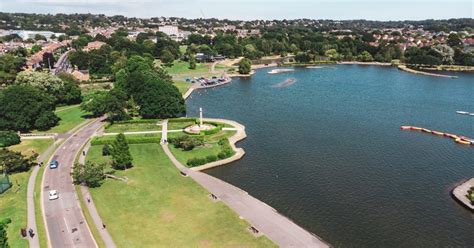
(182,86)
(70,116)
(179,125)
(132,127)
(13,201)
(159,207)
(210,147)
(182,67)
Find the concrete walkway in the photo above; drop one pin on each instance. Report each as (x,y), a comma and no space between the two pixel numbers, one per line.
(264,218)
(30,195)
(104,233)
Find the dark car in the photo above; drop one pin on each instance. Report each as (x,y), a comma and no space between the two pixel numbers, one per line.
(53,164)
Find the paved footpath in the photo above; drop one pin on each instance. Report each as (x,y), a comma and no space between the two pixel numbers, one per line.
(30,195)
(264,218)
(105,235)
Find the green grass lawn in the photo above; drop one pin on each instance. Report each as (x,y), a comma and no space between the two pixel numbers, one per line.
(211,146)
(182,67)
(182,86)
(70,117)
(13,201)
(132,127)
(159,206)
(179,125)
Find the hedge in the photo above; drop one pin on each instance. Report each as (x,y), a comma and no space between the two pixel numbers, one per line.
(130,140)
(182,120)
(137,121)
(226,152)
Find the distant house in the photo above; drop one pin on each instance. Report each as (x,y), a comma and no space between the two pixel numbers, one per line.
(174,33)
(93,45)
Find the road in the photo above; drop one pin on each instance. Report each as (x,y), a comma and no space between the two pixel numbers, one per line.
(278,228)
(65,223)
(62,64)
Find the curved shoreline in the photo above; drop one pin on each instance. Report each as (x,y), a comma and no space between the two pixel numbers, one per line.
(405,68)
(262,217)
(239,152)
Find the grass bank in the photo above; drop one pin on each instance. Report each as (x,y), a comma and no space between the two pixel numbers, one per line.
(13,201)
(158,206)
(131,127)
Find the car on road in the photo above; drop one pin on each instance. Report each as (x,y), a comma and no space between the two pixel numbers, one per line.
(53,164)
(53,195)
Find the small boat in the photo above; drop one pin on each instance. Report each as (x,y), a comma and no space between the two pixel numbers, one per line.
(314,67)
(462,112)
(275,71)
(472,114)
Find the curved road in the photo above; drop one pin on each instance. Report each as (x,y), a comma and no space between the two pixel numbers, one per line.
(65,223)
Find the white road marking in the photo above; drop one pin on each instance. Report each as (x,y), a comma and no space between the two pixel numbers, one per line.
(65,222)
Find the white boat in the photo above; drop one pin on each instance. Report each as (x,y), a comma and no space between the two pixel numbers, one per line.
(275,71)
(472,114)
(314,67)
(462,112)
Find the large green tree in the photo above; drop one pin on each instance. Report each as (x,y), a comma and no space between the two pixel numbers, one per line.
(90,174)
(3,232)
(23,108)
(121,157)
(245,66)
(11,161)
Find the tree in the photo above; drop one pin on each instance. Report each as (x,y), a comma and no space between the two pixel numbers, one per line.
(192,62)
(9,138)
(3,232)
(36,48)
(167,58)
(365,57)
(445,53)
(71,92)
(43,81)
(23,108)
(454,40)
(121,157)
(332,54)
(245,66)
(40,37)
(15,161)
(90,174)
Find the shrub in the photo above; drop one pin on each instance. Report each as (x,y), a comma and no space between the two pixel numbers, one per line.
(211,158)
(196,162)
(8,138)
(106,150)
(186,142)
(212,131)
(182,120)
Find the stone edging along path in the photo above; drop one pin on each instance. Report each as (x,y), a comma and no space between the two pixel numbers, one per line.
(239,152)
(460,191)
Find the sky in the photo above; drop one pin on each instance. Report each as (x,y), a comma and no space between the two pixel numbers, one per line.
(383,10)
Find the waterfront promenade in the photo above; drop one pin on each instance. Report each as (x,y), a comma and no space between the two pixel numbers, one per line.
(261,216)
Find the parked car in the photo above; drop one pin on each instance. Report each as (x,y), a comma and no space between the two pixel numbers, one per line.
(53,195)
(53,164)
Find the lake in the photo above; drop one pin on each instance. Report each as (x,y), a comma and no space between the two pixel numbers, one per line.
(325,149)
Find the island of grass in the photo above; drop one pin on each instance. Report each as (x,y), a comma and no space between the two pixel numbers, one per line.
(13,201)
(159,206)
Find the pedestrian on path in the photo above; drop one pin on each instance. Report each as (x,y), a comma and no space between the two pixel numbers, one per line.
(103,225)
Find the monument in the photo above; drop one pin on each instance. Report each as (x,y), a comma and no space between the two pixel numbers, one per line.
(201,126)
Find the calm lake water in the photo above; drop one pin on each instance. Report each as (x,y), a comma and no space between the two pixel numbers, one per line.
(325,148)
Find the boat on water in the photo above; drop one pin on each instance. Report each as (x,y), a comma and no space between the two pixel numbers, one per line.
(314,67)
(275,71)
(463,113)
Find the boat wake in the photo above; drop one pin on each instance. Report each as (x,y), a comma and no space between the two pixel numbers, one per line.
(286,83)
(276,71)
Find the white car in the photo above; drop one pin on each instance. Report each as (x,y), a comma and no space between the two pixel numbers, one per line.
(53,195)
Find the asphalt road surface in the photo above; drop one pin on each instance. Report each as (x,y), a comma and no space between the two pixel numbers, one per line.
(65,223)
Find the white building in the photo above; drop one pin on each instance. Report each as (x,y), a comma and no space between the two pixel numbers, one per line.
(174,33)
(27,34)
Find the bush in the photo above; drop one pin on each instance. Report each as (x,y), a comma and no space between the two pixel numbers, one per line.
(186,142)
(106,150)
(8,138)
(212,131)
(137,121)
(211,158)
(196,162)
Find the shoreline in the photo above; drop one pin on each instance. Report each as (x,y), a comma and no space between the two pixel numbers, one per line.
(459,193)
(259,215)
(406,69)
(239,152)
(363,63)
